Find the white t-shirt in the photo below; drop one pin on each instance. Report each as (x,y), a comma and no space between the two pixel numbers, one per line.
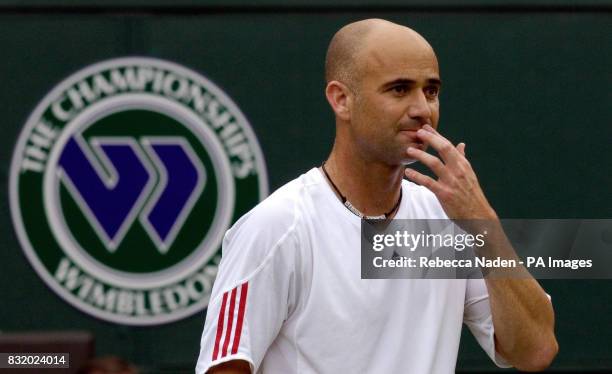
(289,297)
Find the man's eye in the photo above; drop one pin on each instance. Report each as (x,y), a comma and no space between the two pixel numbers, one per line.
(432,92)
(400,89)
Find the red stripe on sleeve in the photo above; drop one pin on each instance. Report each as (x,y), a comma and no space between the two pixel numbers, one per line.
(230,321)
(220,319)
(243,297)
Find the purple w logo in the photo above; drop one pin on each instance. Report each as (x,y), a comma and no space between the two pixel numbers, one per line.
(158,181)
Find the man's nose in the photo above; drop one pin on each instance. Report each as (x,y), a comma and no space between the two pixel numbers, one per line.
(419,107)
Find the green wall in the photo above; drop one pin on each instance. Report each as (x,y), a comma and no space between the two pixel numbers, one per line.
(526,86)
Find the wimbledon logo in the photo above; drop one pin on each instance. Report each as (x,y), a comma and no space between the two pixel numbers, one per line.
(123,182)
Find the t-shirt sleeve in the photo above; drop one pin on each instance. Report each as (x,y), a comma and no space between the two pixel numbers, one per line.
(252,295)
(477,316)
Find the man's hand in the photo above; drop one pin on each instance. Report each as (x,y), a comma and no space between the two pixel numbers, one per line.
(522,314)
(457,187)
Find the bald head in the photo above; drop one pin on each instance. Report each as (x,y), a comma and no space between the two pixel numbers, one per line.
(353,45)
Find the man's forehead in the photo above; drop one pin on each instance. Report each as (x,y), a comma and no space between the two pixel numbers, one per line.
(399,51)
(392,65)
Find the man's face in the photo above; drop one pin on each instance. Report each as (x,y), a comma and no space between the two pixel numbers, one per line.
(396,95)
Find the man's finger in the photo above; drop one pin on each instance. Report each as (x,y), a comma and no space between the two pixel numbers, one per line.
(461,148)
(443,146)
(431,161)
(422,179)
(430,129)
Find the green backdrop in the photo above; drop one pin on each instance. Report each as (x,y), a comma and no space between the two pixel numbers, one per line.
(527,85)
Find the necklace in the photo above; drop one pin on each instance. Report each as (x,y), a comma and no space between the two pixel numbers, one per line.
(352,208)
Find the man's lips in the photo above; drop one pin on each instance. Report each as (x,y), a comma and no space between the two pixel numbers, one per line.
(412,136)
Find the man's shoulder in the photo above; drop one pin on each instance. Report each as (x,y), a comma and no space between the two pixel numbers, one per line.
(271,225)
(279,211)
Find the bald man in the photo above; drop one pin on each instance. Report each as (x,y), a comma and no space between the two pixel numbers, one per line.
(289,298)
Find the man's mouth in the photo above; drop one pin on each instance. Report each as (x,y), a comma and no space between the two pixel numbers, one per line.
(412,136)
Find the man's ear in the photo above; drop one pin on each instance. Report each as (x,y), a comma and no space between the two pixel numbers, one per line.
(339,97)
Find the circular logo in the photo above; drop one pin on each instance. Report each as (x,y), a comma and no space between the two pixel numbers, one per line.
(123,183)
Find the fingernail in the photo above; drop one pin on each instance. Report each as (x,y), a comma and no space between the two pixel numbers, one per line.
(410,150)
(429,128)
(421,132)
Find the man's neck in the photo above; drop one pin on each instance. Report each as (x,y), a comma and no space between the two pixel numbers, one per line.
(371,187)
